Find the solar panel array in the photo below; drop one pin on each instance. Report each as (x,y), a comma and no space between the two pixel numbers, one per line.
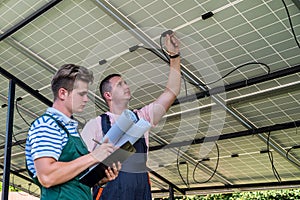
(98,34)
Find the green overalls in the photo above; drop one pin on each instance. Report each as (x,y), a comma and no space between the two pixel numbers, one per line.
(72,189)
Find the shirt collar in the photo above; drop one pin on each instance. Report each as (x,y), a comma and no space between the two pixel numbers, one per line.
(60,116)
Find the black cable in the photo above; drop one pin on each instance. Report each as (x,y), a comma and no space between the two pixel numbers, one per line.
(243,65)
(35,190)
(161,50)
(20,192)
(161,47)
(29,192)
(293,147)
(14,135)
(291,24)
(150,49)
(187,174)
(288,152)
(18,141)
(17,108)
(215,170)
(206,84)
(270,154)
(178,169)
(168,32)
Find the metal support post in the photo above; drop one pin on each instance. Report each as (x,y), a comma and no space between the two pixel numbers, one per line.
(8,139)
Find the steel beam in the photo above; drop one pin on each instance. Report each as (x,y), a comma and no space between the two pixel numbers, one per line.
(240,84)
(147,41)
(49,67)
(25,87)
(257,131)
(30,54)
(19,175)
(141,36)
(30,18)
(8,138)
(166,181)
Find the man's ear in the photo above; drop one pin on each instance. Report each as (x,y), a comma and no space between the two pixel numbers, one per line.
(107,95)
(62,93)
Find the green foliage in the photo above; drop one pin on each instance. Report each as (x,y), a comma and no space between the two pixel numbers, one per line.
(11,188)
(284,194)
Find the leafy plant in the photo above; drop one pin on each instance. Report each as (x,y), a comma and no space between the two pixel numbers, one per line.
(284,194)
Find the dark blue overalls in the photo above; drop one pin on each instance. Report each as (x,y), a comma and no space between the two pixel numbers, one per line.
(132,182)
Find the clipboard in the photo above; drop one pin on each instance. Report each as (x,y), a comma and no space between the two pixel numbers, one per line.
(97,172)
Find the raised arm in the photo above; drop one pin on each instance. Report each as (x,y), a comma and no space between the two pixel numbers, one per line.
(165,100)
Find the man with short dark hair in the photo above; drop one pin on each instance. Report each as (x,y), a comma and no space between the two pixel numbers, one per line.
(133,181)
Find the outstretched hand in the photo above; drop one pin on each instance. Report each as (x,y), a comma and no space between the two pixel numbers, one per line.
(172,44)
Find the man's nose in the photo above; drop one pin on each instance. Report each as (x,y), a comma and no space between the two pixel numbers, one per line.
(126,85)
(86,98)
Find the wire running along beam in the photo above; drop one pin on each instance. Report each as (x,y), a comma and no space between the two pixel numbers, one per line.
(240,84)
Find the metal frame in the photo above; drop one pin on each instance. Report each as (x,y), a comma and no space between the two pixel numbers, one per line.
(257,131)
(240,84)
(11,97)
(24,86)
(127,24)
(30,18)
(146,40)
(8,138)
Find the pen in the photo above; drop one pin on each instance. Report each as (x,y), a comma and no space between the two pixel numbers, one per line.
(97,141)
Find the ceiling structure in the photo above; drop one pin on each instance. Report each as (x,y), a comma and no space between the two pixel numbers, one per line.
(234,124)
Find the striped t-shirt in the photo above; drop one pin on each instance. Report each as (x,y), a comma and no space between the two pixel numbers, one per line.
(46,139)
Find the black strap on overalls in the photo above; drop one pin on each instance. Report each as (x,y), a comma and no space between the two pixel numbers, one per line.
(140,147)
(73,149)
(35,180)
